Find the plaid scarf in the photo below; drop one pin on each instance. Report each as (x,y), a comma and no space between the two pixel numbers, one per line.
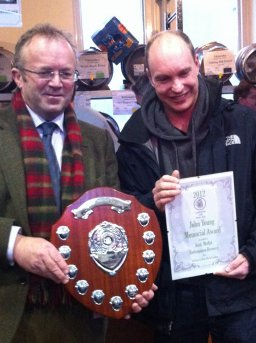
(42,210)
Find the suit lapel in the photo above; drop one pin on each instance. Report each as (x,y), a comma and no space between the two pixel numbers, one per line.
(13,169)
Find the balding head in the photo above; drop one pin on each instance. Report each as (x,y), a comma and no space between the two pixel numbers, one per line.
(173,68)
(168,38)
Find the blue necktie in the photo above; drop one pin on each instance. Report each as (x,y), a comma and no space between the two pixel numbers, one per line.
(48,129)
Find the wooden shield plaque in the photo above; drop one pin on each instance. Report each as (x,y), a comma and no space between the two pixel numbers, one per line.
(113,247)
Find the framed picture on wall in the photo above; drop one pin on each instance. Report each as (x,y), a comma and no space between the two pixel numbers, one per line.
(10,13)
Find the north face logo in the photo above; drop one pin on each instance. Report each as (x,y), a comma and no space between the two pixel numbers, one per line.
(232,139)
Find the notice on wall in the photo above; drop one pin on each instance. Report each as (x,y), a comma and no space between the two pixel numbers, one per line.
(124,102)
(219,62)
(93,65)
(10,13)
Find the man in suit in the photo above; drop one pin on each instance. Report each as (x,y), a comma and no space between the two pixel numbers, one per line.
(34,306)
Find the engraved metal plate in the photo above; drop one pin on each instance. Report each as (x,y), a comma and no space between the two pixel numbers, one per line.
(112,245)
(82,287)
(108,246)
(149,237)
(87,207)
(72,271)
(142,274)
(143,219)
(116,303)
(65,251)
(98,296)
(131,291)
(148,256)
(63,232)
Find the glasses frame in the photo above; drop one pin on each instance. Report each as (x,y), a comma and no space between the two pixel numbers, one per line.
(49,75)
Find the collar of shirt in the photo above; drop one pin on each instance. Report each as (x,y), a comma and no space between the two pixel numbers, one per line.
(38,120)
(58,135)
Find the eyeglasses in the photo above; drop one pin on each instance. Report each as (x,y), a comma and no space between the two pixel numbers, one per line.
(48,75)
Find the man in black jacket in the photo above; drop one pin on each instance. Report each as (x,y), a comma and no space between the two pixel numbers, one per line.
(245,94)
(185,128)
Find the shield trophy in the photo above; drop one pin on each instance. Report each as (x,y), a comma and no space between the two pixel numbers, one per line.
(113,246)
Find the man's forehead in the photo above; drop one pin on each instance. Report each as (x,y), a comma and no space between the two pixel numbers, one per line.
(168,38)
(168,44)
(169,48)
(40,42)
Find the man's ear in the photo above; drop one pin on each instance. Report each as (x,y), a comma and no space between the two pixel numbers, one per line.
(197,63)
(149,76)
(17,77)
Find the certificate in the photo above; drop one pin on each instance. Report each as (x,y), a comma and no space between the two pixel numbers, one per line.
(201,224)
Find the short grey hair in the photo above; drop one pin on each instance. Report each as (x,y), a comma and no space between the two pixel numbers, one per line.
(43,30)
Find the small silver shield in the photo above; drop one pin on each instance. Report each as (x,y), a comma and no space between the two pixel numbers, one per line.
(108,244)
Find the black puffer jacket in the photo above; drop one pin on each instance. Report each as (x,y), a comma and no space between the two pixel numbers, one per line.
(230,145)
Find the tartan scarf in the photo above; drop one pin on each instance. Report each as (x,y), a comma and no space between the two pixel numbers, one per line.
(42,210)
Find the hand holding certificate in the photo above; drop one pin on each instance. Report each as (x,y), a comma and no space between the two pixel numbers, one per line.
(201,225)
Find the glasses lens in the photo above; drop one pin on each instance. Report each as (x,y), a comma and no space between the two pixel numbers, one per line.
(76,75)
(69,76)
(49,75)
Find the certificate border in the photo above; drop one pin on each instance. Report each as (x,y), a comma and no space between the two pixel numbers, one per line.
(180,269)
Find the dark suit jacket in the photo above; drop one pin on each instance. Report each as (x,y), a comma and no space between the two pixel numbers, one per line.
(100,170)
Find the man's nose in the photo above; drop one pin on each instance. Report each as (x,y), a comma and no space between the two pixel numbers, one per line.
(177,85)
(56,79)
